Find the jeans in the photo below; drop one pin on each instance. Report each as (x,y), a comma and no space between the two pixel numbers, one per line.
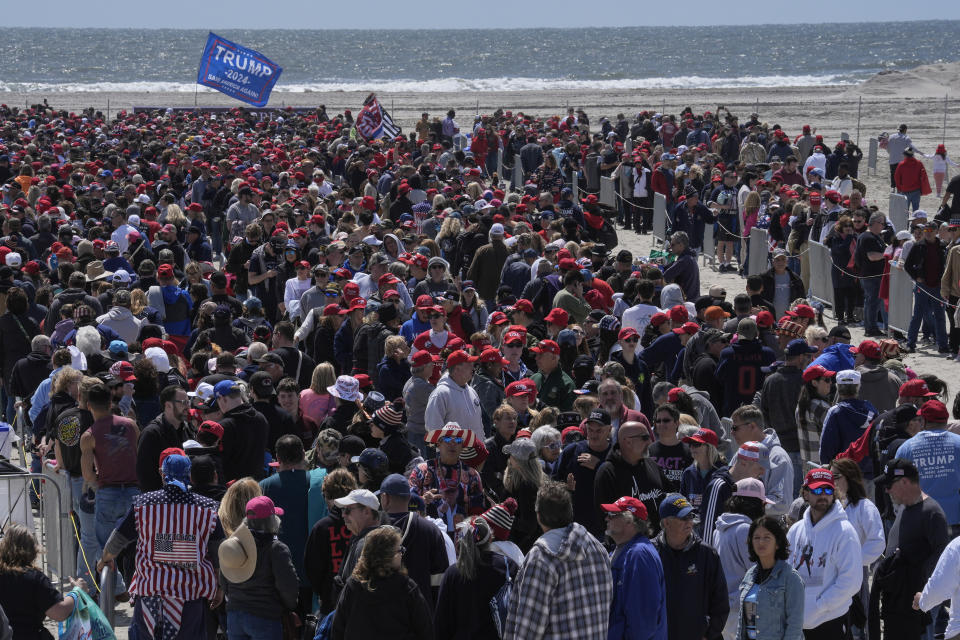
(216,235)
(89,547)
(913,199)
(927,303)
(872,305)
(798,472)
(243,626)
(111,505)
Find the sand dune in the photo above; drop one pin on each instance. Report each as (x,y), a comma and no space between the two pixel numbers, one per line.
(929,80)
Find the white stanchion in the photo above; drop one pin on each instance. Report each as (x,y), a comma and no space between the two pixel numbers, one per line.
(821,280)
(901,299)
(897,211)
(517,182)
(758,252)
(608,192)
(660,217)
(872,151)
(709,249)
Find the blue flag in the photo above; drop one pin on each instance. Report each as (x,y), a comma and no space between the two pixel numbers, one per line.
(239,72)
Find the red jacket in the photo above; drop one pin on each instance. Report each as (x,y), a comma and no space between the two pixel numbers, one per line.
(911,175)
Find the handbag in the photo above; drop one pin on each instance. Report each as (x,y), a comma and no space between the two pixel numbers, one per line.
(500,602)
(86,622)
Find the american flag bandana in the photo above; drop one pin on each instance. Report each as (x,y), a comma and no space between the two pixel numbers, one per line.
(162,615)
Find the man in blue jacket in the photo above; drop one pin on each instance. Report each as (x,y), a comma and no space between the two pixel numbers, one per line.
(639,609)
(846,421)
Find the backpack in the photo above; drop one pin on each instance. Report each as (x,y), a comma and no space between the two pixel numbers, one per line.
(500,602)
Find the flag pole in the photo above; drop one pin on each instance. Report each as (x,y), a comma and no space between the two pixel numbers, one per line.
(944,139)
(859,111)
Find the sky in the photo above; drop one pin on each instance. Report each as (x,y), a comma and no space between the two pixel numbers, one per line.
(382,14)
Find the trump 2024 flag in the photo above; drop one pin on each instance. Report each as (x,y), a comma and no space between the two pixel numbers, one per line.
(239,72)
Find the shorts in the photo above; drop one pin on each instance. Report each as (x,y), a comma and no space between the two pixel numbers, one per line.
(725,228)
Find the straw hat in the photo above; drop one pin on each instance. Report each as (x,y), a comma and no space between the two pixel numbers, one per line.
(238,555)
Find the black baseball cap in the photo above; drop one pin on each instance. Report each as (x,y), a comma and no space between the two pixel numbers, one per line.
(839,332)
(600,416)
(896,469)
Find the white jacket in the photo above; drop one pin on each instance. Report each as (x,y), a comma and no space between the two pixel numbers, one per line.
(944,584)
(866,521)
(450,402)
(827,557)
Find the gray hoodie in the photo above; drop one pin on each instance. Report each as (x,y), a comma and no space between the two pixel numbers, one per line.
(670,296)
(730,541)
(778,480)
(122,320)
(449,402)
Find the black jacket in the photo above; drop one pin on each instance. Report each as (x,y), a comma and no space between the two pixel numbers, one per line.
(245,433)
(395,609)
(644,481)
(797,289)
(325,551)
(425,558)
(697,604)
(273,587)
(16,332)
(463,606)
(155,437)
(280,421)
(28,373)
(915,264)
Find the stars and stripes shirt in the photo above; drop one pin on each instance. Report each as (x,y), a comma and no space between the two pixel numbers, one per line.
(174,530)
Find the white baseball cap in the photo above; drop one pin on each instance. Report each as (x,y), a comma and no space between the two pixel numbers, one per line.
(361,497)
(848,376)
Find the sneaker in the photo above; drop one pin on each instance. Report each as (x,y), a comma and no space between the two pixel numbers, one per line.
(909,349)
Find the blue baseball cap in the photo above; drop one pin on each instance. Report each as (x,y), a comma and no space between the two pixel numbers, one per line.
(394,485)
(798,347)
(176,470)
(674,505)
(117,347)
(225,388)
(373,458)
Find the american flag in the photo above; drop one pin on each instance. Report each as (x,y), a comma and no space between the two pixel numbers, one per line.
(374,122)
(180,550)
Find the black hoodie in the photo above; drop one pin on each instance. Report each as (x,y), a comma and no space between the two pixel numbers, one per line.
(644,481)
(245,433)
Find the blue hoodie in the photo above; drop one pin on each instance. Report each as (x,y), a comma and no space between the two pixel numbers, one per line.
(177,313)
(639,608)
(836,357)
(844,423)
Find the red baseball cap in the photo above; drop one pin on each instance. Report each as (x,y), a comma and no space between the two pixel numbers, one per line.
(703,436)
(817,371)
(165,271)
(817,478)
(351,290)
(498,318)
(678,313)
(423,357)
(625,504)
(765,319)
(334,310)
(519,388)
(869,349)
(934,411)
(513,336)
(523,305)
(212,427)
(460,357)
(689,328)
(490,354)
(124,371)
(558,317)
(357,303)
(803,311)
(658,319)
(547,346)
(916,388)
(627,332)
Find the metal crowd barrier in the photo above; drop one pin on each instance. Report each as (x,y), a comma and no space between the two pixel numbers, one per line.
(897,208)
(901,300)
(52,491)
(821,276)
(108,601)
(660,217)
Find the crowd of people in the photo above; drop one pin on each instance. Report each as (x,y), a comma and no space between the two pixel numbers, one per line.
(305,384)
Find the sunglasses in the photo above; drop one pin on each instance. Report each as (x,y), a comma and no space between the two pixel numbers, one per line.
(696,445)
(822,491)
(553,445)
(737,427)
(452,439)
(632,339)
(393,300)
(434,316)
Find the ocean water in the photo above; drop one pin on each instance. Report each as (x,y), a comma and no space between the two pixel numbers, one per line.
(467,60)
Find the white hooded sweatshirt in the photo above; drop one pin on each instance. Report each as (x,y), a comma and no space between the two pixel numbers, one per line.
(827,557)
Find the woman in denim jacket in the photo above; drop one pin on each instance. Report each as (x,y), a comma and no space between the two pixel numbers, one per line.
(771,594)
